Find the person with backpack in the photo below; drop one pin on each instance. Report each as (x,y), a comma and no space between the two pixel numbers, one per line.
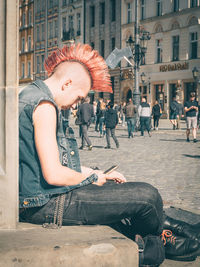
(174,112)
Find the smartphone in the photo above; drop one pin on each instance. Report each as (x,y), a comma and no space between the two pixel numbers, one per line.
(114,167)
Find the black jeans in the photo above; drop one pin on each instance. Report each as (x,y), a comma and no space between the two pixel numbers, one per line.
(84,132)
(144,123)
(112,132)
(156,120)
(130,208)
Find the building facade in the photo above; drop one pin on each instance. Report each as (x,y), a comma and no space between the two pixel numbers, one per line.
(26,50)
(173,50)
(103,32)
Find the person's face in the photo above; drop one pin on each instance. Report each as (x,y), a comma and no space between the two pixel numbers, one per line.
(74,91)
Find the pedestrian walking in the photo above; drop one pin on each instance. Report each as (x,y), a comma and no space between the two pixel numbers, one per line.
(111,121)
(156,113)
(98,112)
(85,113)
(144,112)
(102,118)
(173,112)
(191,110)
(130,112)
(180,114)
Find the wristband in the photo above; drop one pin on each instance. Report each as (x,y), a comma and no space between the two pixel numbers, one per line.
(93,177)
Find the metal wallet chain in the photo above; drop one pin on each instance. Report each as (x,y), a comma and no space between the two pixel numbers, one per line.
(58,213)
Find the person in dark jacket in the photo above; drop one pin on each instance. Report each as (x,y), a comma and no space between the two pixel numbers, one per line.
(111,121)
(174,112)
(85,113)
(130,111)
(180,113)
(156,113)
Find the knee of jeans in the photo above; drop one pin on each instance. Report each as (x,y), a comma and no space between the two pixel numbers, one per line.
(150,193)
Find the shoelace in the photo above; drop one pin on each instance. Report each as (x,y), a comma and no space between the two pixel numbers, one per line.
(167,236)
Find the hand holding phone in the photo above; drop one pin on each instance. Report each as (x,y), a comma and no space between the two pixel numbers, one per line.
(111,169)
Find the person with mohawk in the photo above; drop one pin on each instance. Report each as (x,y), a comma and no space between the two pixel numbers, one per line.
(54,188)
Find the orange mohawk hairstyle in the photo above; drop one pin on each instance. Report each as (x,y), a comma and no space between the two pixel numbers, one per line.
(90,59)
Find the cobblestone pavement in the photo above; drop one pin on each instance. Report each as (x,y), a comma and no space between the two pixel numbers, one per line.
(164,160)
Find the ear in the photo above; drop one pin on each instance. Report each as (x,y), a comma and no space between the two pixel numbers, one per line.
(66,84)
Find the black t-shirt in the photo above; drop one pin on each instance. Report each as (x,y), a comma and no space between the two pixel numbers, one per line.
(192,112)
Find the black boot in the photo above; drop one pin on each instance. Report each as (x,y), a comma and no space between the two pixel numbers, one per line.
(182,228)
(179,248)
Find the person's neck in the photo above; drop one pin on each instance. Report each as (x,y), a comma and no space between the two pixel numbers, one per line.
(53,86)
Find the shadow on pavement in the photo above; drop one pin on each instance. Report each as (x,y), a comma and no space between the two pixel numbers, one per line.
(192,156)
(175,140)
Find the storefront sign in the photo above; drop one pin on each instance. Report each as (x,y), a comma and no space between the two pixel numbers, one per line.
(176,66)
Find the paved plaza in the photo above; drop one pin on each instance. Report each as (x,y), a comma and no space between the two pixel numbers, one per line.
(164,160)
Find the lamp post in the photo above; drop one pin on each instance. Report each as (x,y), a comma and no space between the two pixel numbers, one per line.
(196,76)
(138,47)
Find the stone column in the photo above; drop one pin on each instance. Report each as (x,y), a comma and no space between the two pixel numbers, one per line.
(8,113)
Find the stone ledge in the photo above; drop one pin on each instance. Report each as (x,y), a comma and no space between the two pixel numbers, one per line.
(77,246)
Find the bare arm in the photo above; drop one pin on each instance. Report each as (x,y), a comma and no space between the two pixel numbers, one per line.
(44,120)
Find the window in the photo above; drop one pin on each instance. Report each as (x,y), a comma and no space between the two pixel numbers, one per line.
(176,5)
(158,51)
(29,17)
(71,22)
(175,48)
(23,68)
(23,44)
(38,6)
(92,16)
(129,13)
(38,33)
(113,43)
(92,45)
(29,69)
(38,64)
(113,10)
(43,32)
(102,13)
(50,3)
(55,28)
(102,48)
(50,29)
(42,60)
(64,2)
(23,19)
(43,5)
(142,9)
(29,43)
(64,24)
(193,45)
(78,17)
(159,7)
(193,3)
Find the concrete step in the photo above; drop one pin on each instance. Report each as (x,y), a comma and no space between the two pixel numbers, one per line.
(72,246)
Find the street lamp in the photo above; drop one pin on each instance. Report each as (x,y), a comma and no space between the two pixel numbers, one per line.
(142,75)
(138,47)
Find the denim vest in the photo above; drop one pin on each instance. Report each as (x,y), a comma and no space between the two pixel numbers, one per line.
(34,191)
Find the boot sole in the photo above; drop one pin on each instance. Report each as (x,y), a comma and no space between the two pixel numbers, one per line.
(188,257)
